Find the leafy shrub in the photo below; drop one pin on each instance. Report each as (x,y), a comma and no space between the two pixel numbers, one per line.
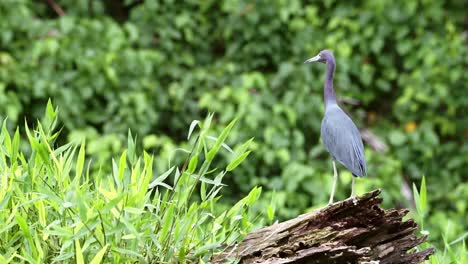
(54,209)
(157,65)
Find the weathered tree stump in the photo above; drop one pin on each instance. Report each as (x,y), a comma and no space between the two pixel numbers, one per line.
(348,231)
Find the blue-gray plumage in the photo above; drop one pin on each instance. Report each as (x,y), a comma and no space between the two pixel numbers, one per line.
(340,135)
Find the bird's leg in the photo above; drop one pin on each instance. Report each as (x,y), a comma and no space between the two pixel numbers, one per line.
(335,178)
(353,197)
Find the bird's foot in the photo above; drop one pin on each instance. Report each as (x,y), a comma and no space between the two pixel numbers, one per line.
(354,199)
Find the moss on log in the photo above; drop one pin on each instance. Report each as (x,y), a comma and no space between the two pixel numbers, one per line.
(349,231)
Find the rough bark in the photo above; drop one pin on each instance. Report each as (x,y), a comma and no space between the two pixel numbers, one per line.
(349,231)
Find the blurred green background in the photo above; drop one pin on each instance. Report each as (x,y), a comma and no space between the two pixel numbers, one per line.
(154,66)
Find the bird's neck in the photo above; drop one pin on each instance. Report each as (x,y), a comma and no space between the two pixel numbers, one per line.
(328,92)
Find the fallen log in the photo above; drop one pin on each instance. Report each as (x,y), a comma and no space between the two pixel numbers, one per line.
(349,231)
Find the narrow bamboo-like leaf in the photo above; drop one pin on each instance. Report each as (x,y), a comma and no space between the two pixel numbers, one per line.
(192,127)
(253,195)
(98,258)
(243,148)
(220,140)
(135,175)
(41,212)
(45,143)
(127,252)
(238,160)
(115,174)
(182,150)
(206,180)
(63,257)
(271,207)
(122,165)
(78,252)
(7,138)
(145,177)
(270,212)
(224,145)
(219,178)
(177,175)
(422,196)
(161,178)
(81,159)
(207,122)
(23,226)
(214,192)
(50,113)
(129,237)
(203,249)
(15,146)
(6,199)
(166,224)
(131,148)
(192,164)
(203,191)
(40,251)
(130,227)
(459,239)
(111,204)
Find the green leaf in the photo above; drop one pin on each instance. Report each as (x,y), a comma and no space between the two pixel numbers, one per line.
(98,258)
(81,159)
(206,180)
(160,179)
(166,224)
(243,148)
(271,207)
(422,196)
(111,204)
(50,113)
(192,127)
(203,191)
(78,252)
(220,141)
(7,138)
(224,145)
(193,164)
(122,165)
(131,148)
(15,146)
(23,226)
(238,160)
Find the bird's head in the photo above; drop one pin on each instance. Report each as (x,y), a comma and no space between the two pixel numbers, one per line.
(323,57)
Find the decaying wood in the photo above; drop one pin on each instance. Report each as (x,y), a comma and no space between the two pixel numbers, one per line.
(349,231)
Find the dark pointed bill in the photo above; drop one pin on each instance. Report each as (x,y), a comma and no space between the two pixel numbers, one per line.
(316,58)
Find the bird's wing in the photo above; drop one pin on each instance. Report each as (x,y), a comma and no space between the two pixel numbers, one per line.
(343,141)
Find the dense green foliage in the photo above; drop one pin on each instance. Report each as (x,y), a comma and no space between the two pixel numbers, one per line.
(155,66)
(54,209)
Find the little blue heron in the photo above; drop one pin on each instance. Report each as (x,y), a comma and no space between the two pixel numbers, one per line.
(340,135)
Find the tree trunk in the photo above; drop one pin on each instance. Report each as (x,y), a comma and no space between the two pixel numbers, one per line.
(349,231)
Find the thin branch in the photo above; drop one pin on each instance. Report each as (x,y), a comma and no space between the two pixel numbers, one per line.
(56,7)
(375,142)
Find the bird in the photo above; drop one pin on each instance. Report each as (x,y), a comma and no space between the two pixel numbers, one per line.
(340,136)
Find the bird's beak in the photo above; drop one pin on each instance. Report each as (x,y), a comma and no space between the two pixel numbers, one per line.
(314,59)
